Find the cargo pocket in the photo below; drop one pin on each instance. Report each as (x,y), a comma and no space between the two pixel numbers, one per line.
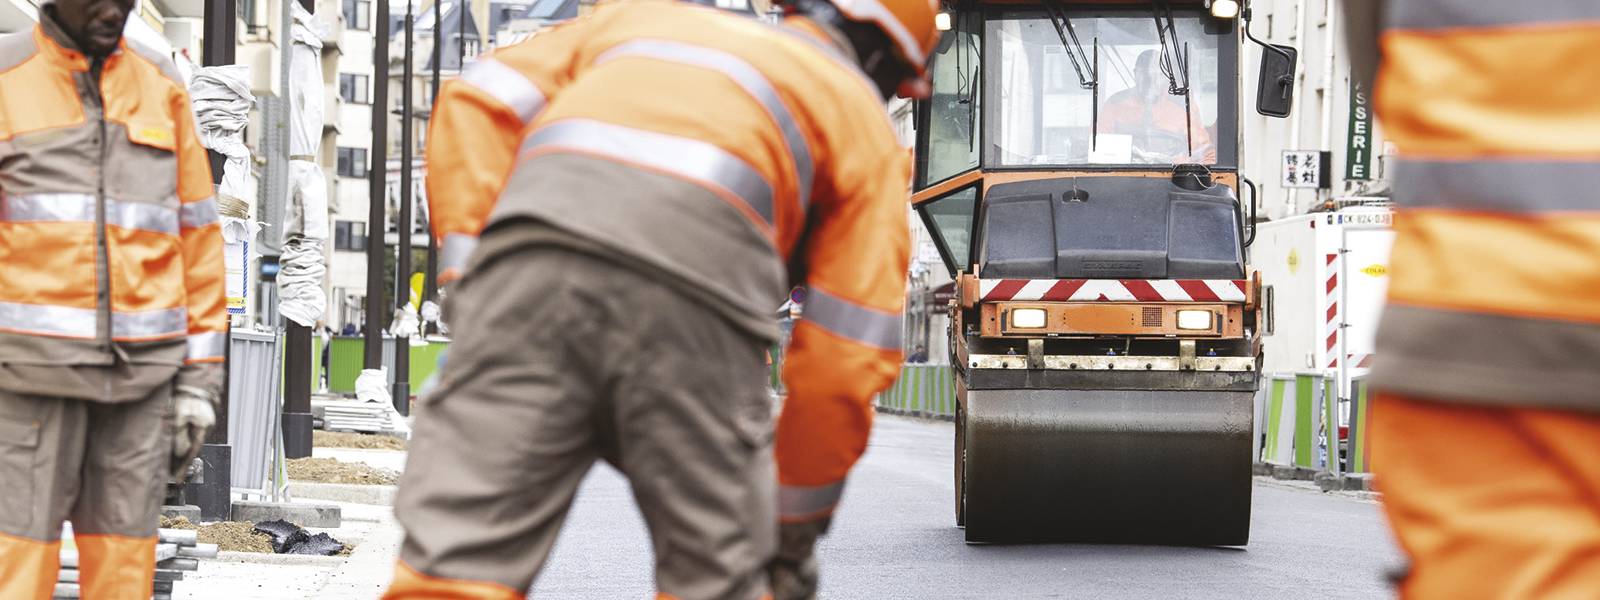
(752,409)
(19,443)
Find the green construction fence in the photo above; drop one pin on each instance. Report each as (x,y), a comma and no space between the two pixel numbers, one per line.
(346,356)
(1302,417)
(923,390)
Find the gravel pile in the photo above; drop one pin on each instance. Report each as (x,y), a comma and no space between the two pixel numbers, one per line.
(327,470)
(230,536)
(364,441)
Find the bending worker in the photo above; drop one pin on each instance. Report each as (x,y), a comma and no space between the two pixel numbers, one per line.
(1486,427)
(112,320)
(672,162)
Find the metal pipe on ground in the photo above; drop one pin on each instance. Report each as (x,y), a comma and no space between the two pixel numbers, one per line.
(199,551)
(181,537)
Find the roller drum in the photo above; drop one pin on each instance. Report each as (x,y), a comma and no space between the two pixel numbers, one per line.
(1107,466)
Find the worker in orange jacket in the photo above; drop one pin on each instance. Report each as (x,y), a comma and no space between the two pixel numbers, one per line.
(655,176)
(112,319)
(1156,120)
(1486,427)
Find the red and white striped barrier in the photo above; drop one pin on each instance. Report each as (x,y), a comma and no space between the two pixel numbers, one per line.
(1113,290)
(1332,300)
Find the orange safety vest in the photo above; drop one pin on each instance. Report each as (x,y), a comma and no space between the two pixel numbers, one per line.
(734,141)
(1495,291)
(110,248)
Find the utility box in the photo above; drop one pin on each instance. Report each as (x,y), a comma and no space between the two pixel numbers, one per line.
(1329,274)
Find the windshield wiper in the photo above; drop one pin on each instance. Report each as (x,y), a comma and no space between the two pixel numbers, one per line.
(1175,65)
(1088,69)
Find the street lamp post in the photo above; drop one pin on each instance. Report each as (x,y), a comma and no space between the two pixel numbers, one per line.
(213,495)
(402,227)
(430,281)
(377,179)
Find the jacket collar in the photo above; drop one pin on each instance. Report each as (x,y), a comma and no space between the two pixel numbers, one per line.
(60,47)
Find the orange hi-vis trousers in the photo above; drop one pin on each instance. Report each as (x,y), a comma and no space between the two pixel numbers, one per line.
(1491,502)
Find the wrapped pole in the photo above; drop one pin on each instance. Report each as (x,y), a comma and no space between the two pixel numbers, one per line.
(302,300)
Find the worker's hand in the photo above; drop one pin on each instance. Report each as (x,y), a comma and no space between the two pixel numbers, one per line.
(193,416)
(793,572)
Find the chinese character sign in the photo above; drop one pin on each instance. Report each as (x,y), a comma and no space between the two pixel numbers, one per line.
(1301,169)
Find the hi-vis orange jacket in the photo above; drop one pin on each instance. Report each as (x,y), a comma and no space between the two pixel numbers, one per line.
(1495,291)
(714,148)
(110,251)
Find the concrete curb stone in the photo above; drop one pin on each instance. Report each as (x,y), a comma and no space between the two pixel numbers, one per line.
(344,492)
(278,559)
(302,514)
(917,414)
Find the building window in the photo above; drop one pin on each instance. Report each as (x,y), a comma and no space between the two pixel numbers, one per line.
(358,14)
(350,235)
(250,12)
(355,89)
(353,162)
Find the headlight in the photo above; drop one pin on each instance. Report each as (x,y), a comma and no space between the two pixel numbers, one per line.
(1028,318)
(1224,9)
(1194,320)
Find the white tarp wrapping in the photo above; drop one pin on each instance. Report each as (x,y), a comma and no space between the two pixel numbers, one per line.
(301,297)
(222,102)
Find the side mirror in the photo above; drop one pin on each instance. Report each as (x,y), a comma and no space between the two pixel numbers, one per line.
(1275,88)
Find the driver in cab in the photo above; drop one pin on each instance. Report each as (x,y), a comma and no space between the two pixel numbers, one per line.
(1154,117)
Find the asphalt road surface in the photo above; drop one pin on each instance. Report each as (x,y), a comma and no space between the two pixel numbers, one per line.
(895,537)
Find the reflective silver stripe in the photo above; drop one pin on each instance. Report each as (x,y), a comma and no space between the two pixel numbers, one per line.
(799,501)
(848,319)
(149,324)
(1516,186)
(79,208)
(456,250)
(506,85)
(47,208)
(48,320)
(141,216)
(207,345)
(702,162)
(197,214)
(742,73)
(1447,14)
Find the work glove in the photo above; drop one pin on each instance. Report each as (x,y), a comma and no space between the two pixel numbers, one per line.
(193,416)
(793,572)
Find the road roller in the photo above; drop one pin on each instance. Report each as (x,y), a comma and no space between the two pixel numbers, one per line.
(1077,168)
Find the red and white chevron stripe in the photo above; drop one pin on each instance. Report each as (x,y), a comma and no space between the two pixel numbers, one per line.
(1113,290)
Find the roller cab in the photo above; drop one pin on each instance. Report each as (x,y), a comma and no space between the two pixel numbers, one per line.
(1077,170)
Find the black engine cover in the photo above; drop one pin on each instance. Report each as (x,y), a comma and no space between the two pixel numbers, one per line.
(1110,228)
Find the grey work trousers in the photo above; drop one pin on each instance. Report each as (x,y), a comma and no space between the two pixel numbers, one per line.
(560,359)
(103,465)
